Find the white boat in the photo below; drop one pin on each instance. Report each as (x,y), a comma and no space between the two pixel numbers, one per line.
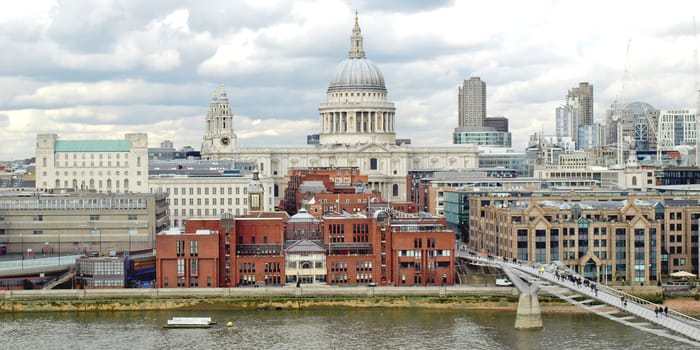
(190,322)
(504,282)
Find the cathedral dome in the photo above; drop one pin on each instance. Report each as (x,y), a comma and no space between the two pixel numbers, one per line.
(357,73)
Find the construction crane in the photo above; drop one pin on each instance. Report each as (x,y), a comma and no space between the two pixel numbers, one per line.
(617,109)
(697,89)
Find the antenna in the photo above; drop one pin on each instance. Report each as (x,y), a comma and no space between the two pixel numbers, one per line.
(697,90)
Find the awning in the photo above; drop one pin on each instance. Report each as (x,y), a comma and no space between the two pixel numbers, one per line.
(682,274)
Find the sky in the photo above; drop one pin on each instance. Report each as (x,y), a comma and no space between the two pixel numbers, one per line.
(97,69)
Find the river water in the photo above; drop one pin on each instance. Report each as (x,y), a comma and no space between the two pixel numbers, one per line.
(332,328)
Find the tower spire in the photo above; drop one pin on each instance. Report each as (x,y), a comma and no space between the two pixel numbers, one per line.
(356,49)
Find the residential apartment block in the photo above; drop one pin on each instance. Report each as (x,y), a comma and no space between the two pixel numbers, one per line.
(614,237)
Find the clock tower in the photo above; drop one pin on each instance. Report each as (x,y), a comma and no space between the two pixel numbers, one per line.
(219,138)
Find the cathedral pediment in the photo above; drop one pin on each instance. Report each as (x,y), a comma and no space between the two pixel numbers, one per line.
(372,148)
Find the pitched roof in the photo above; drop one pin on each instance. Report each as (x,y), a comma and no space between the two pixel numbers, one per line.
(92,146)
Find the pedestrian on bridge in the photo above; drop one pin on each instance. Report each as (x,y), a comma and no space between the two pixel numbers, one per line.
(666,311)
(656,311)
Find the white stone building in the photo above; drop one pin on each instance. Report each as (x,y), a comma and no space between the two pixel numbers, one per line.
(357,128)
(208,196)
(117,166)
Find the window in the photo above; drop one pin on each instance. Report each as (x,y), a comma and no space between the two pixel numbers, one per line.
(38,232)
(94,217)
(395,190)
(194,266)
(194,247)
(180,266)
(38,218)
(180,247)
(373,164)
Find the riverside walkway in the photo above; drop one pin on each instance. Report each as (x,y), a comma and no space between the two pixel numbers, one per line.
(601,300)
(24,266)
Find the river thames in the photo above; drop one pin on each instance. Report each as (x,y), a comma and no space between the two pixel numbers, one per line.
(332,328)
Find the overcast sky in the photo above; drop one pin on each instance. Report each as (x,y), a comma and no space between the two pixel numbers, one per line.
(96,69)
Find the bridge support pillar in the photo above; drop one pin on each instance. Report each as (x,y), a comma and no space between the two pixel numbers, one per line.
(528,315)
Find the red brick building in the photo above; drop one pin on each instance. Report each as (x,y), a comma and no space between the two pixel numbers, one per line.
(422,251)
(335,180)
(353,249)
(259,244)
(188,259)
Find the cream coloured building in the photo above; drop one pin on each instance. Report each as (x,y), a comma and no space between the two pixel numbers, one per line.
(208,196)
(46,224)
(357,129)
(115,166)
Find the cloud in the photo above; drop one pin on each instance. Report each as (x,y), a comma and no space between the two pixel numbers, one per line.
(104,67)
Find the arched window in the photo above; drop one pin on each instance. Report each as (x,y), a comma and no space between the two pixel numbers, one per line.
(395,190)
(277,190)
(109,184)
(58,183)
(634,181)
(92,184)
(126,184)
(75,184)
(373,164)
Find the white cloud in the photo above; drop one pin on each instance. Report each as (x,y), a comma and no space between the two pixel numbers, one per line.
(89,68)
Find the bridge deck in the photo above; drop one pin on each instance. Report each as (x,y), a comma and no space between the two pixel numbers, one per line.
(683,328)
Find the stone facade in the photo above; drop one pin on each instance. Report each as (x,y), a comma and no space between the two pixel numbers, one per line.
(116,166)
(357,129)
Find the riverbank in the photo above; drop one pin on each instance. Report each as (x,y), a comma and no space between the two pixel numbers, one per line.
(453,297)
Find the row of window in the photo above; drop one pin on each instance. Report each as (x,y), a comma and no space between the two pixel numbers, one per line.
(93,217)
(194,266)
(84,164)
(180,247)
(199,212)
(191,190)
(92,173)
(191,201)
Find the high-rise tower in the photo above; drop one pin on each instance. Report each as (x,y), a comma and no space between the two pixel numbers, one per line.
(472,103)
(583,95)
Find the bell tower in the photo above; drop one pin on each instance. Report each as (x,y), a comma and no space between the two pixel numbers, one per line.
(219,138)
(256,195)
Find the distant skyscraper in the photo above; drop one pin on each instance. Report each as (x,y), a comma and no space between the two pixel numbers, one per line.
(583,95)
(472,103)
(567,121)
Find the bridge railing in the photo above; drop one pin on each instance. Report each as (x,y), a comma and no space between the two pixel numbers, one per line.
(614,291)
(525,266)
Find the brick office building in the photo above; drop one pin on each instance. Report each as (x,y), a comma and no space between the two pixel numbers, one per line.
(187,259)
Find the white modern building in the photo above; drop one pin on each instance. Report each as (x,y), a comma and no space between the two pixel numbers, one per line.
(106,166)
(677,128)
(357,129)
